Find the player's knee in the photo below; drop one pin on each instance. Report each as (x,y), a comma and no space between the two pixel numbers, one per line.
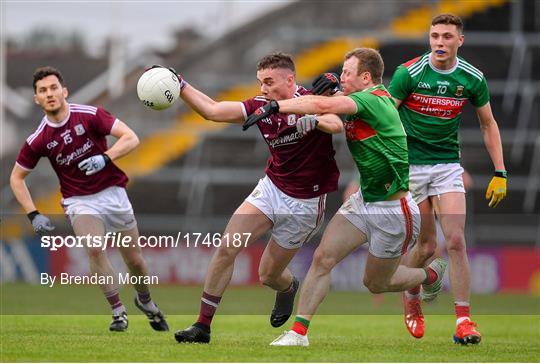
(323,262)
(374,286)
(267,277)
(427,250)
(96,254)
(455,242)
(226,254)
(136,263)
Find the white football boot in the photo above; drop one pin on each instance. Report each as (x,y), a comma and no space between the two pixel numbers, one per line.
(290,338)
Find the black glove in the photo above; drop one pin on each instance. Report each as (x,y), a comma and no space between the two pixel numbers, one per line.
(263,112)
(326,81)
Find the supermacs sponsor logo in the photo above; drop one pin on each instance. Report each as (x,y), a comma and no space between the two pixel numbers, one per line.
(67,159)
(285,139)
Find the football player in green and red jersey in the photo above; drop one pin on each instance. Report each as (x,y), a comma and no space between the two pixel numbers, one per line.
(382,213)
(430,92)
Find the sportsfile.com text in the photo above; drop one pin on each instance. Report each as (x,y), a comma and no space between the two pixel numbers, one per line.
(117,240)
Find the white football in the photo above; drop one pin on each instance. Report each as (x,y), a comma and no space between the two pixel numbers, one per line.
(158,88)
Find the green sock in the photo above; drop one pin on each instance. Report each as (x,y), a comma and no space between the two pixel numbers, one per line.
(300,325)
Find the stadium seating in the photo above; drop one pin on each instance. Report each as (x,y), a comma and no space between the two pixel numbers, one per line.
(207,182)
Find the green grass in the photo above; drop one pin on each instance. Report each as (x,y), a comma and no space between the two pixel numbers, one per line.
(69,324)
(246,338)
(24,299)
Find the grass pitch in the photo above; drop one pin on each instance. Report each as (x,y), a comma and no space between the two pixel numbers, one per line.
(366,337)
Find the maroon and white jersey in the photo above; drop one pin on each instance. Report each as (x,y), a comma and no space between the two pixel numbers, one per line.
(80,136)
(302,166)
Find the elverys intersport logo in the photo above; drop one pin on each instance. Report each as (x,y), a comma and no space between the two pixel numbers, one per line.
(437,106)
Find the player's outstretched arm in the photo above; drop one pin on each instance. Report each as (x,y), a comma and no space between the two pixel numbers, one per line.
(496,190)
(208,108)
(303,105)
(318,105)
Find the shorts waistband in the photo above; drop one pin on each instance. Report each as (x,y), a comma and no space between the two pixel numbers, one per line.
(393,203)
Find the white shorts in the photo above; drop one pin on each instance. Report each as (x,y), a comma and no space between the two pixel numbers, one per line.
(111,205)
(391,227)
(295,220)
(435,179)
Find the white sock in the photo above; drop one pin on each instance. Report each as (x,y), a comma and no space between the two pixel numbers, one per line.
(461,319)
(150,306)
(118,310)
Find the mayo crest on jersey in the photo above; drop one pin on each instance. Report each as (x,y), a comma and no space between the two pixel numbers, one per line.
(432,104)
(301,166)
(80,135)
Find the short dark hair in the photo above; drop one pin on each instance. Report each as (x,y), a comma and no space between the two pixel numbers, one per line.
(276,60)
(42,72)
(448,19)
(369,60)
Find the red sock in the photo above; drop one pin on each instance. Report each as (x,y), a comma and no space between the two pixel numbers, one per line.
(415,291)
(462,310)
(300,325)
(209,305)
(431,276)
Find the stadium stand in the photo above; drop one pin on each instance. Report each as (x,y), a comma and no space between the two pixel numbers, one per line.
(196,172)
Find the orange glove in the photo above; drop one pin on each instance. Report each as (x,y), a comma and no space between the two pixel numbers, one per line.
(496,190)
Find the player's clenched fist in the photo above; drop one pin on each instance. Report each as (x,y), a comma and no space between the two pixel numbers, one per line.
(94,164)
(306,123)
(41,223)
(263,112)
(496,190)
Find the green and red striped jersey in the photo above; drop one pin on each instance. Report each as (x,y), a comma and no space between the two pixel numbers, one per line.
(378,144)
(432,103)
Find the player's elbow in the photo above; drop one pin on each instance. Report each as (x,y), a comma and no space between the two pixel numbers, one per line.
(15,179)
(130,139)
(135,141)
(337,127)
(213,116)
(213,113)
(487,124)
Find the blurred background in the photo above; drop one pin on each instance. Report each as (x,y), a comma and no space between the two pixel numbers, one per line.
(189,174)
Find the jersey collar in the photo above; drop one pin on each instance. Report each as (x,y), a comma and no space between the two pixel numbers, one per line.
(369,89)
(60,124)
(444,72)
